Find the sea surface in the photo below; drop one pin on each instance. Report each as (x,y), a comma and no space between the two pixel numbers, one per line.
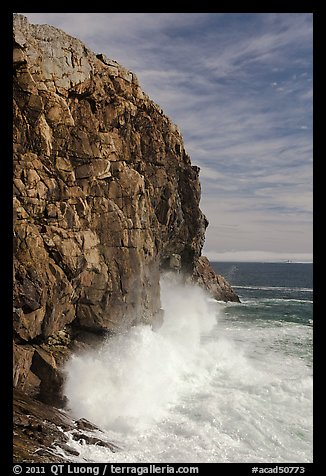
(216,383)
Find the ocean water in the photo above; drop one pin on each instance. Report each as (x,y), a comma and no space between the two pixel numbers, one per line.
(216,383)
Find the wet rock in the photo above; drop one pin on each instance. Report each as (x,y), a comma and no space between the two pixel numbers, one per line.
(92,440)
(36,428)
(83,424)
(215,284)
(42,432)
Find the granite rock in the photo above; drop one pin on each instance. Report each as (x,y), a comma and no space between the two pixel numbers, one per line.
(43,434)
(105,197)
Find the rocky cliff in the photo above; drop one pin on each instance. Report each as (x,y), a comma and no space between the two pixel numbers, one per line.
(105,197)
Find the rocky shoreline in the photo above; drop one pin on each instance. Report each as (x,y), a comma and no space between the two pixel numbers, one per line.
(42,433)
(105,199)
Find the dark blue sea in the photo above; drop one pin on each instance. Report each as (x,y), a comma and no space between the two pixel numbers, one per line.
(280,292)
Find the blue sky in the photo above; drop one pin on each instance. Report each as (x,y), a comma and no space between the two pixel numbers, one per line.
(239,86)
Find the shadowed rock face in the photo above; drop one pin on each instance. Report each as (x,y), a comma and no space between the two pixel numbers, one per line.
(104,197)
(218,287)
(43,434)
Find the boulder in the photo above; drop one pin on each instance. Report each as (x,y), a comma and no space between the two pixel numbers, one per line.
(215,284)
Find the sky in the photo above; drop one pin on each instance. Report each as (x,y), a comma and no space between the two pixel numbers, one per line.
(239,87)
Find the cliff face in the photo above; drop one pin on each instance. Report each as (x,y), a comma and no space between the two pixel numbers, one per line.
(104,197)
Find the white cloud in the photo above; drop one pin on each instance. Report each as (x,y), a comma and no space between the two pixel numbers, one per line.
(260,256)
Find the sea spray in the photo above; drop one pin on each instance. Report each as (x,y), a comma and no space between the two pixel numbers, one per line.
(132,380)
(208,386)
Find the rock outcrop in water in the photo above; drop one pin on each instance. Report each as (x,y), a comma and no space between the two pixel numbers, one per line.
(204,275)
(105,197)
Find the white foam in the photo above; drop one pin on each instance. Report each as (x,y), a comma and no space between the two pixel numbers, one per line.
(274,288)
(132,380)
(255,301)
(196,390)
